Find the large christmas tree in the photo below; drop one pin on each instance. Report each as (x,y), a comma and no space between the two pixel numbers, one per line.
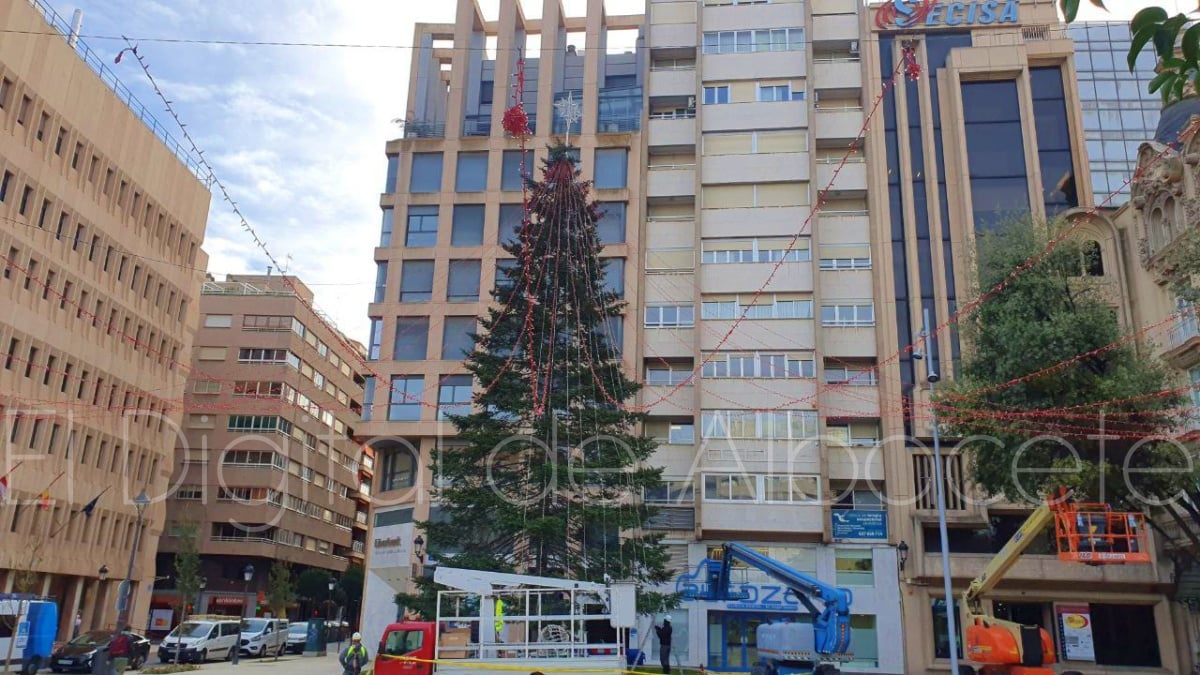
(548,474)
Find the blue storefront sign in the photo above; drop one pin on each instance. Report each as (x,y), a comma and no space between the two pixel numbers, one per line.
(859,524)
(933,14)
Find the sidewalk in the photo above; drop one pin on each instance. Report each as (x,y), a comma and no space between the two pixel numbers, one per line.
(291,664)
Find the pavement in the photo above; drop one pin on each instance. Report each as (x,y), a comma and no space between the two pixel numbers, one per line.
(291,664)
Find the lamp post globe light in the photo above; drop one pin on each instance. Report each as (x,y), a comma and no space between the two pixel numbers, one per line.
(247,577)
(140,502)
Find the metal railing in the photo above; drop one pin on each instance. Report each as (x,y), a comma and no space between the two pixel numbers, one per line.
(837,59)
(670,167)
(618,124)
(422,128)
(674,115)
(477,126)
(843,214)
(99,65)
(239,288)
(673,66)
(853,159)
(839,108)
(1186,328)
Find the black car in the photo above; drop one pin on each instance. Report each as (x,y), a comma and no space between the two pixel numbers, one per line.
(77,654)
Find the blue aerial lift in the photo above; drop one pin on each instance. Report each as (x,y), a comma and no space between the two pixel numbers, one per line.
(785,648)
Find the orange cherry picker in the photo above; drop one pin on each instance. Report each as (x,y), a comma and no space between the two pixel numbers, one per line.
(1086,533)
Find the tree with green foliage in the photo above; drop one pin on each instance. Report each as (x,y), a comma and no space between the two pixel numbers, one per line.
(1174,39)
(1039,425)
(550,471)
(281,591)
(313,586)
(187,570)
(350,586)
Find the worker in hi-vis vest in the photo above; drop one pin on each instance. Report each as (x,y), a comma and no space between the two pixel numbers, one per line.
(499,619)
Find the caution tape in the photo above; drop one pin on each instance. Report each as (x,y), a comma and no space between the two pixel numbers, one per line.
(527,668)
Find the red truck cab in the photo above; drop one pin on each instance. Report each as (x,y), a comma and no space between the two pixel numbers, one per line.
(412,639)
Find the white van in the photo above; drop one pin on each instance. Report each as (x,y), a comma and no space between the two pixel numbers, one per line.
(200,639)
(264,637)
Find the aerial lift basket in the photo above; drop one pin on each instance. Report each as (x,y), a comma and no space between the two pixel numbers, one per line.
(1095,534)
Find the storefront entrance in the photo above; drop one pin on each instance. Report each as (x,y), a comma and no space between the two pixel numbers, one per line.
(733,637)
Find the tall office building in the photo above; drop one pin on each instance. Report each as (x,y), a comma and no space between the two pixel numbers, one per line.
(100,227)
(267,468)
(1119,112)
(452,195)
(994,126)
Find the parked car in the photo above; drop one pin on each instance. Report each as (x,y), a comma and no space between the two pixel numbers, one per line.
(263,637)
(199,639)
(297,636)
(77,654)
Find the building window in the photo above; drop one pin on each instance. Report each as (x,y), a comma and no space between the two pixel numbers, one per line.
(854,376)
(992,121)
(614,276)
(457,342)
(716,94)
(749,41)
(426,172)
(941,637)
(1093,258)
(763,489)
(416,281)
(774,93)
(218,320)
(385,228)
(376,338)
(783,249)
(848,315)
(422,227)
(1054,140)
(1194,375)
(780,425)
(671,492)
(467,229)
(770,366)
(472,172)
(504,267)
(668,374)
(510,170)
(866,641)
(462,284)
(393,170)
(611,225)
(777,306)
(670,316)
(412,338)
(380,280)
(512,217)
(838,257)
(405,398)
(681,433)
(368,397)
(855,567)
(454,396)
(612,166)
(397,466)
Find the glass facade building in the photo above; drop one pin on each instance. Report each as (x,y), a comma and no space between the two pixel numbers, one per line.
(1118,112)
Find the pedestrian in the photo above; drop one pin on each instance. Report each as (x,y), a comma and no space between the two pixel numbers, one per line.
(354,657)
(118,651)
(664,644)
(78,623)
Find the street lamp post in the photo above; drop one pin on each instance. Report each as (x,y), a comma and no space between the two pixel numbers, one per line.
(140,502)
(329,610)
(247,576)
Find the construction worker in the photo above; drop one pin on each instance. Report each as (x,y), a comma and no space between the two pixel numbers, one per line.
(499,624)
(354,657)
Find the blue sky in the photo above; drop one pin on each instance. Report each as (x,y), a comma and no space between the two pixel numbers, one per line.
(297,134)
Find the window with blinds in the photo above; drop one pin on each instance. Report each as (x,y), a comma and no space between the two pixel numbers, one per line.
(757,250)
(845,257)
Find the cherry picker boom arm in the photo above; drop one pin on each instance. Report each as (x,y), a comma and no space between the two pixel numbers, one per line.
(831,622)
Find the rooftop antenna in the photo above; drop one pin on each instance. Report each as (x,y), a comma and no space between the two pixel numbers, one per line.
(288,266)
(268,270)
(76,26)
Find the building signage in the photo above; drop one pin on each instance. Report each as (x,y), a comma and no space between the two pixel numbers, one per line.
(1075,632)
(859,524)
(933,14)
(227,600)
(769,597)
(390,542)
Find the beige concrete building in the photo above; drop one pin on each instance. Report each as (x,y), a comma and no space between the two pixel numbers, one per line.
(100,230)
(267,468)
(946,161)
(452,195)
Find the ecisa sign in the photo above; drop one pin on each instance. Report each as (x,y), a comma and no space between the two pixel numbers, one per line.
(933,14)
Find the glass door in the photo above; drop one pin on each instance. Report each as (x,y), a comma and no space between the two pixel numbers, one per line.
(735,642)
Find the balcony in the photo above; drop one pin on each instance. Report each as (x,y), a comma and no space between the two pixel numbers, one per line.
(1044,569)
(755,518)
(844,227)
(851,400)
(669,342)
(669,400)
(756,116)
(673,80)
(619,110)
(422,128)
(674,38)
(1183,341)
(671,182)
(765,393)
(834,31)
(477,125)
(764,167)
(851,177)
(764,65)
(838,77)
(763,334)
(838,127)
(856,463)
(855,342)
(790,277)
(677,130)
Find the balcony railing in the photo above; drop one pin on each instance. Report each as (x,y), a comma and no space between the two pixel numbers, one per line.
(674,115)
(1186,328)
(616,125)
(99,64)
(477,125)
(422,128)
